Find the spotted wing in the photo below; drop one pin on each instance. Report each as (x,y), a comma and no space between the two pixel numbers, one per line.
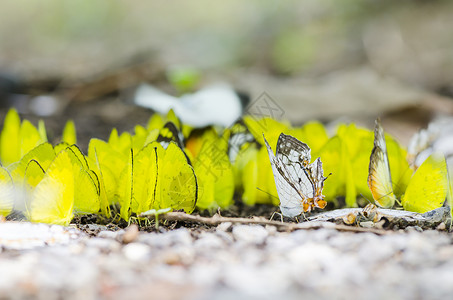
(294,186)
(295,156)
(292,151)
(169,133)
(239,136)
(317,175)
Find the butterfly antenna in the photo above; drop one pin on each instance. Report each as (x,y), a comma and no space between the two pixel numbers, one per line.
(266,193)
(369,201)
(399,182)
(393,195)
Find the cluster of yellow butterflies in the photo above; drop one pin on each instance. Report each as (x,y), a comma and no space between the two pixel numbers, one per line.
(170,165)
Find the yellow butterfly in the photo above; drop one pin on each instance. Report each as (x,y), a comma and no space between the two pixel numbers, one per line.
(67,187)
(214,172)
(157,178)
(53,198)
(426,190)
(17,139)
(7,194)
(69,133)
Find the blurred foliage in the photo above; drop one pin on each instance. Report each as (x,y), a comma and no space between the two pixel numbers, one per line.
(286,38)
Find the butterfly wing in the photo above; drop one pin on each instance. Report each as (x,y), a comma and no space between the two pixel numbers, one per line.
(291,151)
(6,192)
(53,198)
(69,133)
(239,137)
(144,177)
(125,187)
(295,157)
(428,187)
(214,174)
(290,199)
(379,178)
(170,133)
(177,185)
(317,176)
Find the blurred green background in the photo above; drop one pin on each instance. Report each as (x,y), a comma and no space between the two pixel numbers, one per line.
(319,59)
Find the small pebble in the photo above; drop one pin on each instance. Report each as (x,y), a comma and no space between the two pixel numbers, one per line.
(136,251)
(441,226)
(107,234)
(209,241)
(251,234)
(131,234)
(225,226)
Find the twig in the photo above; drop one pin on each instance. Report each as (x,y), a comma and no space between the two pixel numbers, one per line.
(216,220)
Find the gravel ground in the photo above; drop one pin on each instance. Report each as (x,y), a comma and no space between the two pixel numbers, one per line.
(230,261)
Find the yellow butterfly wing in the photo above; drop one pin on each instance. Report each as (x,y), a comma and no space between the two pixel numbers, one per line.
(359,144)
(42,130)
(379,177)
(7,194)
(156,121)
(29,137)
(265,186)
(330,154)
(34,173)
(69,133)
(9,138)
(270,127)
(176,184)
(250,181)
(139,138)
(107,156)
(86,194)
(43,154)
(52,200)
(258,179)
(313,134)
(349,185)
(214,173)
(399,167)
(360,165)
(125,188)
(224,187)
(428,187)
(78,156)
(145,177)
(336,161)
(86,183)
(151,136)
(351,135)
(244,156)
(107,185)
(121,143)
(172,117)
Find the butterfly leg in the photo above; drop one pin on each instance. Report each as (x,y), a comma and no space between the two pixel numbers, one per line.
(276,213)
(304,217)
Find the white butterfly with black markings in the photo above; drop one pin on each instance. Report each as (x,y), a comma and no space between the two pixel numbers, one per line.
(299,183)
